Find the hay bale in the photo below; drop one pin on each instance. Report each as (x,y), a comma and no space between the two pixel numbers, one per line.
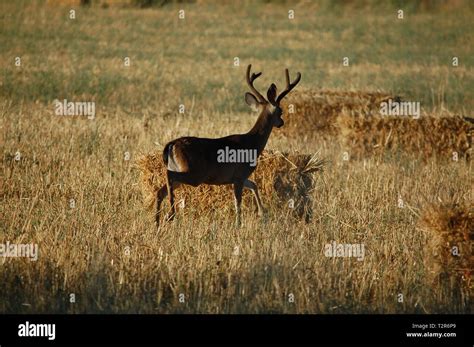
(308,113)
(448,256)
(354,117)
(280,177)
(424,137)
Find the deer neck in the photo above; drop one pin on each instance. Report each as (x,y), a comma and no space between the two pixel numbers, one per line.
(261,131)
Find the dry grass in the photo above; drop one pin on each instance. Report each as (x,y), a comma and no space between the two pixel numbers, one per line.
(284,179)
(449,258)
(107,251)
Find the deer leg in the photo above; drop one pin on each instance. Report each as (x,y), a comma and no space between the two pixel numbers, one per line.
(160,195)
(253,187)
(238,188)
(171,184)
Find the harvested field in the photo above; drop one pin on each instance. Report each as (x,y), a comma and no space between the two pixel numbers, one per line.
(284,179)
(69,184)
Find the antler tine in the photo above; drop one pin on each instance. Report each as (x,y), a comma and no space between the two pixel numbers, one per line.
(289,86)
(250,80)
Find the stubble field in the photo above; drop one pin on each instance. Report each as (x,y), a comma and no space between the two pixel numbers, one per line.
(70,185)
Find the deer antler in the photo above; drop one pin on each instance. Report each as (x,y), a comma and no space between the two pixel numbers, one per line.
(289,86)
(250,80)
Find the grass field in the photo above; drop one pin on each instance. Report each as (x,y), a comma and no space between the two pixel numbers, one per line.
(103,246)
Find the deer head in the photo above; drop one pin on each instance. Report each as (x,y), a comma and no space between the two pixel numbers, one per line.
(269,107)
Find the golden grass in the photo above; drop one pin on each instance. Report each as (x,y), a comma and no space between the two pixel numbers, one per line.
(284,179)
(107,251)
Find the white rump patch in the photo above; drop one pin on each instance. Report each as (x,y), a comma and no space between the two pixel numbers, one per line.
(172,164)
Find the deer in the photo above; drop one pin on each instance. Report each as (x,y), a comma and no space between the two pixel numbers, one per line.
(194,161)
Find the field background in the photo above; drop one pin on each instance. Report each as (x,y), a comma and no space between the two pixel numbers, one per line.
(107,251)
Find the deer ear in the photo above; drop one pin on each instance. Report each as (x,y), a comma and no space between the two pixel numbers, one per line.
(251,100)
(271,94)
